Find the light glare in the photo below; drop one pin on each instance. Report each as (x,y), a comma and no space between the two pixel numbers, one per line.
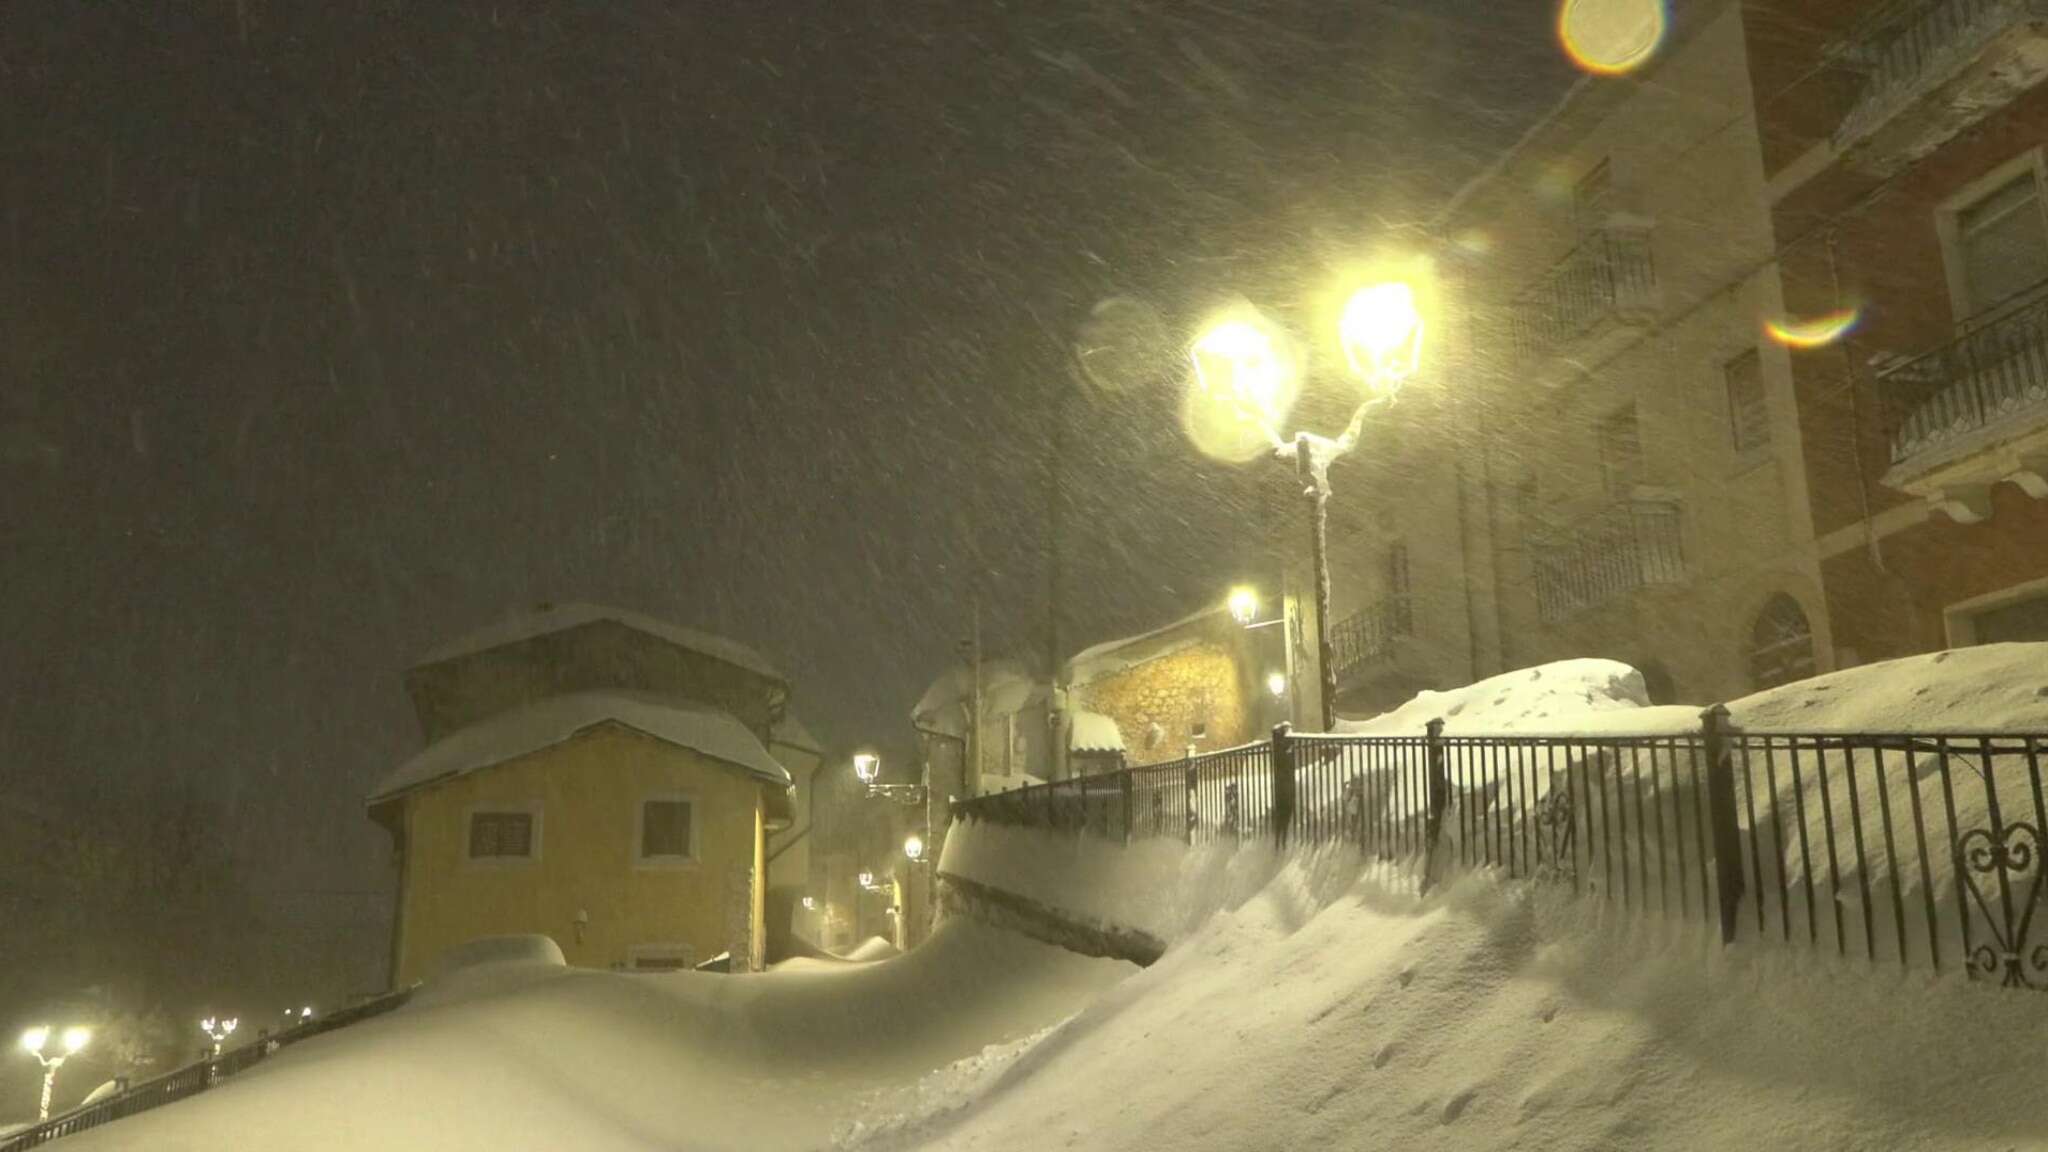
(76,1038)
(1611,37)
(1818,332)
(913,846)
(35,1038)
(1244,604)
(1276,683)
(1381,330)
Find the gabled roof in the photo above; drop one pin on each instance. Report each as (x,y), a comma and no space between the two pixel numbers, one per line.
(1007,678)
(562,617)
(558,719)
(791,733)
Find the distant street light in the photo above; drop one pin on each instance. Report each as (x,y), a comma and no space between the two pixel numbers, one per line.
(34,1040)
(1244,604)
(810,903)
(913,847)
(1276,683)
(867,768)
(1380,329)
(218,1031)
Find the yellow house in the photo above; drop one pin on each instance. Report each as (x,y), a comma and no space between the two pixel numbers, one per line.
(579,784)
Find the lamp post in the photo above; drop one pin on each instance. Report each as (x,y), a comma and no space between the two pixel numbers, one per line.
(218,1031)
(35,1040)
(1240,362)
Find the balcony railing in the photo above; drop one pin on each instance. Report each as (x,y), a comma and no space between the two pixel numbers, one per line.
(1366,637)
(1629,546)
(1909,48)
(1609,273)
(1996,372)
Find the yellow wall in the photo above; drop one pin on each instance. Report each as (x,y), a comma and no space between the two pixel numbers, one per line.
(588,793)
(1166,691)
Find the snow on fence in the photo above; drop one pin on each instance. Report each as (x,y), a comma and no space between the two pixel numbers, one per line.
(1916,849)
(193,1078)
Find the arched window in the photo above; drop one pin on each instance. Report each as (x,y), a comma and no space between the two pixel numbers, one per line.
(1781,644)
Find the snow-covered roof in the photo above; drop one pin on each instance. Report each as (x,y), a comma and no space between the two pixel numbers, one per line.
(1093,732)
(1113,656)
(562,617)
(558,719)
(1005,687)
(790,732)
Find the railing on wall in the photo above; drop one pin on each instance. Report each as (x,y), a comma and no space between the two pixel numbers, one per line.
(1901,43)
(1609,273)
(1923,850)
(194,1078)
(1366,637)
(1631,545)
(1996,370)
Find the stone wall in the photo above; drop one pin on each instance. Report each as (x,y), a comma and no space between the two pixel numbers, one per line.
(1190,695)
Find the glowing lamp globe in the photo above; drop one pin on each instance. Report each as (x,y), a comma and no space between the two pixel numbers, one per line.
(867,879)
(1244,604)
(1276,683)
(867,766)
(913,847)
(34,1039)
(76,1038)
(1381,330)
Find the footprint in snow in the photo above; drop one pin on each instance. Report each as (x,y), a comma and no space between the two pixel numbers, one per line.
(1456,1105)
(1380,1058)
(1406,976)
(1548,1014)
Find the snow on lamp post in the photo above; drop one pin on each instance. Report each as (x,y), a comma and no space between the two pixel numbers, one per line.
(218,1031)
(35,1040)
(1242,368)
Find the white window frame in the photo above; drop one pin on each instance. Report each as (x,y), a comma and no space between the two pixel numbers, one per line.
(635,953)
(1959,620)
(641,860)
(1948,223)
(526,808)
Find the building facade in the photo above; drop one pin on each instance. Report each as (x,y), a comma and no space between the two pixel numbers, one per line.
(594,776)
(1903,148)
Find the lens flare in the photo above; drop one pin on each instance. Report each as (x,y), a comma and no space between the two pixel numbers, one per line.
(1611,37)
(1818,332)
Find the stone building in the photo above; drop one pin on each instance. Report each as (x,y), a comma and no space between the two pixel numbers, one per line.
(1198,683)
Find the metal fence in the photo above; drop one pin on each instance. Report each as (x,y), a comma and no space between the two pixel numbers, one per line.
(1997,368)
(1610,272)
(1919,850)
(193,1078)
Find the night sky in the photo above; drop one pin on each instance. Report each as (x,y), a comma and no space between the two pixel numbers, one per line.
(329,331)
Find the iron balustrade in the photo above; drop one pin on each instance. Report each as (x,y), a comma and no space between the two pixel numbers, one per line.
(1996,370)
(194,1078)
(1920,850)
(1899,45)
(1631,545)
(1609,273)
(1367,636)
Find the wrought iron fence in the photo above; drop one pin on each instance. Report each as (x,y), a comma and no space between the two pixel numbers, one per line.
(1611,271)
(1367,636)
(1899,42)
(1998,368)
(1631,545)
(194,1078)
(1924,850)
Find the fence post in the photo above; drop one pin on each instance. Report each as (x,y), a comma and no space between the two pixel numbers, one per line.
(1051,812)
(1721,816)
(1129,800)
(1439,795)
(1192,781)
(1282,785)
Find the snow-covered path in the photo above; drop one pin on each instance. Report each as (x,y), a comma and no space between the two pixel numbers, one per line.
(1497,1017)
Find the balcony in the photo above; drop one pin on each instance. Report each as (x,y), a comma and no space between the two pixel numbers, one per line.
(1609,280)
(1366,637)
(1974,412)
(1635,544)
(1933,68)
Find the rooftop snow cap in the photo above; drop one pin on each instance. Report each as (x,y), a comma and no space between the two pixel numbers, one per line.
(1006,687)
(1113,656)
(557,719)
(1094,732)
(550,618)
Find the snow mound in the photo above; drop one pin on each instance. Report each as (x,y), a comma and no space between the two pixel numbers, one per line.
(1094,732)
(871,949)
(1549,697)
(1995,687)
(521,949)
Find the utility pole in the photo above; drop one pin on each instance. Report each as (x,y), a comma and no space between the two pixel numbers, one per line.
(974,721)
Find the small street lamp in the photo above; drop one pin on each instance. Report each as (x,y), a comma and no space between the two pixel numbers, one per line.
(1380,329)
(218,1031)
(867,768)
(1276,683)
(1244,604)
(35,1040)
(913,848)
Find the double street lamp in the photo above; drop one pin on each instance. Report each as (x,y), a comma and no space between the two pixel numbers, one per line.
(35,1040)
(1243,369)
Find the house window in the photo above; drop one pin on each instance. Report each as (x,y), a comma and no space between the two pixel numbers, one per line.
(1621,452)
(1749,417)
(500,835)
(1198,723)
(1780,644)
(2001,242)
(2026,621)
(1593,198)
(659,957)
(665,829)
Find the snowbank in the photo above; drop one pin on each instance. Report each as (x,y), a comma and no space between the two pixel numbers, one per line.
(581,1059)
(1489,1016)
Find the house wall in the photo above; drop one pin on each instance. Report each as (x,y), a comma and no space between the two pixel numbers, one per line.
(1893,568)
(587,793)
(1200,682)
(600,655)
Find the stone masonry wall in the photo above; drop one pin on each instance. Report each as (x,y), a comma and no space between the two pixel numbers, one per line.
(1192,695)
